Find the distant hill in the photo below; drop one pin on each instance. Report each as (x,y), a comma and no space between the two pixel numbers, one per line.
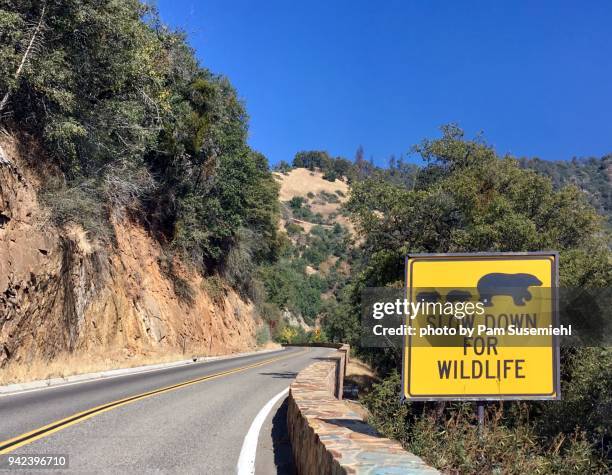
(320,198)
(591,175)
(313,264)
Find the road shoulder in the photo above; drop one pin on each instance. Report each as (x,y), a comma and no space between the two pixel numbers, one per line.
(17,388)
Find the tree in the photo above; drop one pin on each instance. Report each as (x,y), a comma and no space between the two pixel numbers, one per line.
(330,175)
(283,166)
(312,159)
(469,199)
(34,37)
(360,162)
(589,174)
(342,167)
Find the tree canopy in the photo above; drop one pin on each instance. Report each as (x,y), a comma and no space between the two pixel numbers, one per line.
(134,123)
(469,199)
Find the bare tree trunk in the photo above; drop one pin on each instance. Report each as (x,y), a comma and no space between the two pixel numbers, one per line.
(3,159)
(24,59)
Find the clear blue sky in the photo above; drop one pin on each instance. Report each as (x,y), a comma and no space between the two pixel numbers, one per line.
(535,76)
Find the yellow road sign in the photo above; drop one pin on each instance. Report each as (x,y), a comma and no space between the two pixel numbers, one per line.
(506,348)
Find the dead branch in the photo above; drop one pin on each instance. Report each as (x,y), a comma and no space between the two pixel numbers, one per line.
(26,55)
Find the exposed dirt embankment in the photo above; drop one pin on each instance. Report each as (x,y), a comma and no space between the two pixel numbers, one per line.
(64,296)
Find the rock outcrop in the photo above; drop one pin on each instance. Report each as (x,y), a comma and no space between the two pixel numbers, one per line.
(63,293)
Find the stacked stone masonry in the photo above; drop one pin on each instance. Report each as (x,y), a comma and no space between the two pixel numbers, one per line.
(327,437)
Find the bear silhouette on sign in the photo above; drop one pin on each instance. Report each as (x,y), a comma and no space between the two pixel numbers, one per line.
(513,285)
(431,296)
(458,296)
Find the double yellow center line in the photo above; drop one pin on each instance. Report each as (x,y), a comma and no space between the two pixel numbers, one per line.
(9,445)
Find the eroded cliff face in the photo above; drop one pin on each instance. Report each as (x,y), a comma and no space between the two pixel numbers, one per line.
(61,293)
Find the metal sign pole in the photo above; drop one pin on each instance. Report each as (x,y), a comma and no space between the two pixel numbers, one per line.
(480,407)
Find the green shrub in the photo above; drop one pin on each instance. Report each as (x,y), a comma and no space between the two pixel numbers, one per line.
(329,197)
(263,335)
(293,229)
(214,286)
(305,214)
(453,444)
(239,264)
(586,389)
(330,175)
(317,336)
(296,202)
(269,312)
(79,202)
(446,435)
(288,286)
(314,255)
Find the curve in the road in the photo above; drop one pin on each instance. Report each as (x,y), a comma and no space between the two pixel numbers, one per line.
(9,445)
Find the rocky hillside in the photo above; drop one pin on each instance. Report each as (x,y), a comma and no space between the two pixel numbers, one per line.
(62,293)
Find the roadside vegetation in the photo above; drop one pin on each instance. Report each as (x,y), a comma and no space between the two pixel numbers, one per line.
(304,280)
(464,199)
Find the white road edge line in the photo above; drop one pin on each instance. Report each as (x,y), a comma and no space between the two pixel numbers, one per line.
(246,461)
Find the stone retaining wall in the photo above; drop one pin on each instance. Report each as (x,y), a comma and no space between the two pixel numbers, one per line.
(327,437)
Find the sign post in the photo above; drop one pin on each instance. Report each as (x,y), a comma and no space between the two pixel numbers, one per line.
(506,348)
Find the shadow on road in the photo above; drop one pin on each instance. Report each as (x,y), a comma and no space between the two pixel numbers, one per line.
(282,375)
(283,458)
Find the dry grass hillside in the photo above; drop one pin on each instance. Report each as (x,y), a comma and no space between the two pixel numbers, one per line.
(316,191)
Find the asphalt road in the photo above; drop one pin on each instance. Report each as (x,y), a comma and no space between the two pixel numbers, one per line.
(193,428)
